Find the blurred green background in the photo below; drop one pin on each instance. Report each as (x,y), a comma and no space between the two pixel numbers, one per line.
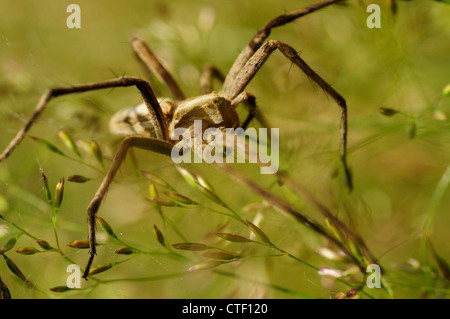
(404,65)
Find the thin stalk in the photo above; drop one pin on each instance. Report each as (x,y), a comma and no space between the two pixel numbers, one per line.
(436,198)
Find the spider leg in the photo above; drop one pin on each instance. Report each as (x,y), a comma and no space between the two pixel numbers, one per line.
(143,86)
(262,34)
(252,66)
(209,72)
(154,65)
(250,101)
(147,143)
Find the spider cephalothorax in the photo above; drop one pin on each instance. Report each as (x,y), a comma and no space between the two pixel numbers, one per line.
(151,125)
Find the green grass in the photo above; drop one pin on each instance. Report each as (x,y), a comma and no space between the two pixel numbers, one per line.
(399,162)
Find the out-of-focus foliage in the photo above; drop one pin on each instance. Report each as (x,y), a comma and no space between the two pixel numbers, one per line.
(393,79)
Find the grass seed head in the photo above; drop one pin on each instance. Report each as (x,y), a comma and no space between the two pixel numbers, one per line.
(15,270)
(48,145)
(335,231)
(156,179)
(234,238)
(124,251)
(220,255)
(153,192)
(188,176)
(44,244)
(80,244)
(204,183)
(258,232)
(59,193)
(27,250)
(108,229)
(48,194)
(100,269)
(200,184)
(205,265)
(180,198)
(159,236)
(8,245)
(162,201)
(69,142)
(388,111)
(97,151)
(191,246)
(211,195)
(60,289)
(78,179)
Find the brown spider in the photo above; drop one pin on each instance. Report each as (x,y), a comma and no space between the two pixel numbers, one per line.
(150,126)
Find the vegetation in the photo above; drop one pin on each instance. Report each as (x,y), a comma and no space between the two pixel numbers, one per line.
(200,231)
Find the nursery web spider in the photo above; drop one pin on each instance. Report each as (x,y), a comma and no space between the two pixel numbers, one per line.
(150,125)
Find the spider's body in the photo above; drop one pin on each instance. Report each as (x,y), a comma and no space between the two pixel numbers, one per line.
(151,125)
(213,110)
(137,120)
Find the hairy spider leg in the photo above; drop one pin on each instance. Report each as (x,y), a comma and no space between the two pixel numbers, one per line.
(255,63)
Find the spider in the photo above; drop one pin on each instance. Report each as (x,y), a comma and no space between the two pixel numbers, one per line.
(150,125)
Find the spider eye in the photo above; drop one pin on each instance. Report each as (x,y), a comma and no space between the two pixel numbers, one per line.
(216,100)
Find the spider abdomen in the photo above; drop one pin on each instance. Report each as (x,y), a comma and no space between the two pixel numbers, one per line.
(137,120)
